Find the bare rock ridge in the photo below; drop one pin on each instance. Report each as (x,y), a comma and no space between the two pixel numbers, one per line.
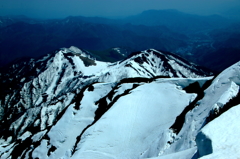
(153,104)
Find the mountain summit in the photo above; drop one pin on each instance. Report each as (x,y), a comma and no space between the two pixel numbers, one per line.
(153,104)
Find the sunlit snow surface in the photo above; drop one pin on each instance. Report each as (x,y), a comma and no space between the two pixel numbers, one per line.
(224,135)
(77,109)
(136,124)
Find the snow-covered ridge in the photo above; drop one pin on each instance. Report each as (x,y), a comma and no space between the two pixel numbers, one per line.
(68,105)
(76,50)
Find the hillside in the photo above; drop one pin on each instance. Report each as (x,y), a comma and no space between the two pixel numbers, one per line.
(196,38)
(153,104)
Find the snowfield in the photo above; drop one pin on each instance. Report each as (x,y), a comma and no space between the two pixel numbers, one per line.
(140,123)
(223,134)
(152,105)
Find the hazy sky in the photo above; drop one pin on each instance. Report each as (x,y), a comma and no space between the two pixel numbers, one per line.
(112,8)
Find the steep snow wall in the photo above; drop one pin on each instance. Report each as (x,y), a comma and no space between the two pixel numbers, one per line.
(223,135)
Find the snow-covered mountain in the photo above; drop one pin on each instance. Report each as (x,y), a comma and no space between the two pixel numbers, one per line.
(151,105)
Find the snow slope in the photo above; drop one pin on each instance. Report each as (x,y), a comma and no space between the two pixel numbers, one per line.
(151,63)
(222,89)
(136,124)
(151,105)
(223,136)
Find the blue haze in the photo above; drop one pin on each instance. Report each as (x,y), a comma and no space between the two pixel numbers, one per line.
(113,8)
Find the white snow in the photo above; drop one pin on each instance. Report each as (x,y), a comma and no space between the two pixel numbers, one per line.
(135,123)
(45,57)
(7,149)
(117,49)
(38,136)
(122,88)
(63,135)
(90,70)
(186,154)
(223,88)
(25,135)
(75,49)
(184,82)
(224,135)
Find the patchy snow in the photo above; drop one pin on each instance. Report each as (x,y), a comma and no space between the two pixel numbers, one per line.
(63,102)
(117,49)
(63,135)
(7,149)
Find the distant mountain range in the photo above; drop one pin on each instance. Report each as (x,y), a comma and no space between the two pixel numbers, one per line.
(178,21)
(152,104)
(191,36)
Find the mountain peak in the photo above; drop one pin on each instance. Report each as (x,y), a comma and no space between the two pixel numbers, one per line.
(168,64)
(72,49)
(72,109)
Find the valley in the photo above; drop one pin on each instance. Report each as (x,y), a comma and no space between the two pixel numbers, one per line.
(196,38)
(161,84)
